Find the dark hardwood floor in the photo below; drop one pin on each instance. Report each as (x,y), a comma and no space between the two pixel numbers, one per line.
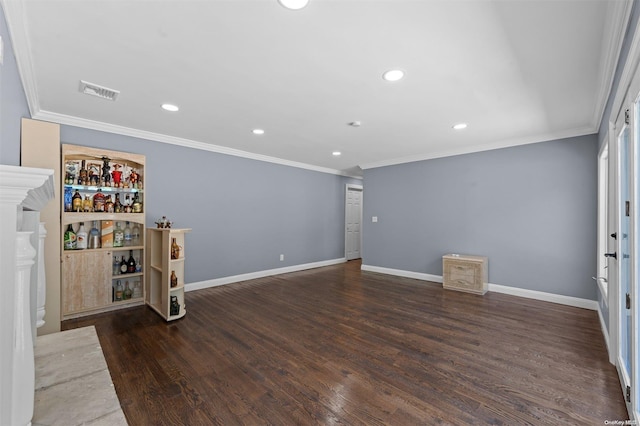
(339,346)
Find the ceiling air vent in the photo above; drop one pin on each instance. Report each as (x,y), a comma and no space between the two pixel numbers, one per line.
(99,91)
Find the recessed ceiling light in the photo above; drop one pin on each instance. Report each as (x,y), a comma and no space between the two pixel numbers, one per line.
(393,75)
(336,153)
(460,126)
(293,4)
(170,107)
(355,124)
(258,132)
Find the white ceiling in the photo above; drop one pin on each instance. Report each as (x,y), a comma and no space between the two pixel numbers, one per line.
(517,71)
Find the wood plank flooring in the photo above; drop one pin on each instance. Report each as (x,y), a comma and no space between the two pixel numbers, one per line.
(336,345)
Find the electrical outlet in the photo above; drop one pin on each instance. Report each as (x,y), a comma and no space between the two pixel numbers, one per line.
(281,257)
(374,219)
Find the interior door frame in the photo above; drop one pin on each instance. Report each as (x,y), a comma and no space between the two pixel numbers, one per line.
(352,187)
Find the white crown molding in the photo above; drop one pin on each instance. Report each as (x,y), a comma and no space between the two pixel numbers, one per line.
(260,274)
(187,143)
(514,291)
(16,23)
(485,147)
(618,14)
(31,187)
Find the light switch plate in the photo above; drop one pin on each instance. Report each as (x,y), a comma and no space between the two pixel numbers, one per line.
(374,218)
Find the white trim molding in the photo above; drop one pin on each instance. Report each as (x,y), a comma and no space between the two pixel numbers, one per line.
(260,274)
(514,291)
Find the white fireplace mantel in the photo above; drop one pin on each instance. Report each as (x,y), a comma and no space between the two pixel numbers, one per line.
(21,188)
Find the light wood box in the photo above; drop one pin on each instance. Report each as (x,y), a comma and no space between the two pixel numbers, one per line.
(465,273)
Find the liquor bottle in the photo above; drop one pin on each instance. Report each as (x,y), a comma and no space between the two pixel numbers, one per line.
(119,290)
(94,236)
(135,234)
(137,205)
(117,206)
(174,279)
(81,237)
(127,204)
(68,199)
(76,201)
(126,295)
(127,235)
(131,263)
(137,290)
(99,201)
(70,238)
(175,249)
(108,205)
(87,205)
(118,236)
(83,178)
(123,266)
(116,266)
(138,264)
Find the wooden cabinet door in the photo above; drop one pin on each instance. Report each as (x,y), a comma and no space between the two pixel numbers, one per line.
(86,280)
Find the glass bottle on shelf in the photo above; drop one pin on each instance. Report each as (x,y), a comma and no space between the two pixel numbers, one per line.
(87,204)
(119,290)
(174,279)
(175,249)
(135,234)
(83,177)
(138,264)
(99,201)
(70,238)
(123,266)
(116,266)
(68,199)
(76,201)
(137,205)
(137,290)
(108,205)
(118,236)
(131,263)
(94,236)
(117,205)
(127,204)
(81,237)
(127,235)
(126,295)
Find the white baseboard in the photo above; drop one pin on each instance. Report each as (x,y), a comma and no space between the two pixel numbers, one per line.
(514,291)
(401,273)
(260,274)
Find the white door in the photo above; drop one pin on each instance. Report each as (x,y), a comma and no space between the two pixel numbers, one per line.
(353,222)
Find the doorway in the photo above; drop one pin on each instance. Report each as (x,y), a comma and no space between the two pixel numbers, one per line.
(353,222)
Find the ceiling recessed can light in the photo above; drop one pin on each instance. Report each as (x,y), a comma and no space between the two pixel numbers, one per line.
(355,124)
(258,132)
(293,4)
(336,153)
(170,107)
(393,75)
(460,126)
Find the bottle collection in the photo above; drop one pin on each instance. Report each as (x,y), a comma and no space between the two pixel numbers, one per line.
(126,266)
(94,179)
(103,235)
(126,292)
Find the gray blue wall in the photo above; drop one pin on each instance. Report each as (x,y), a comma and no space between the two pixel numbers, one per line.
(244,213)
(531,209)
(13,103)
